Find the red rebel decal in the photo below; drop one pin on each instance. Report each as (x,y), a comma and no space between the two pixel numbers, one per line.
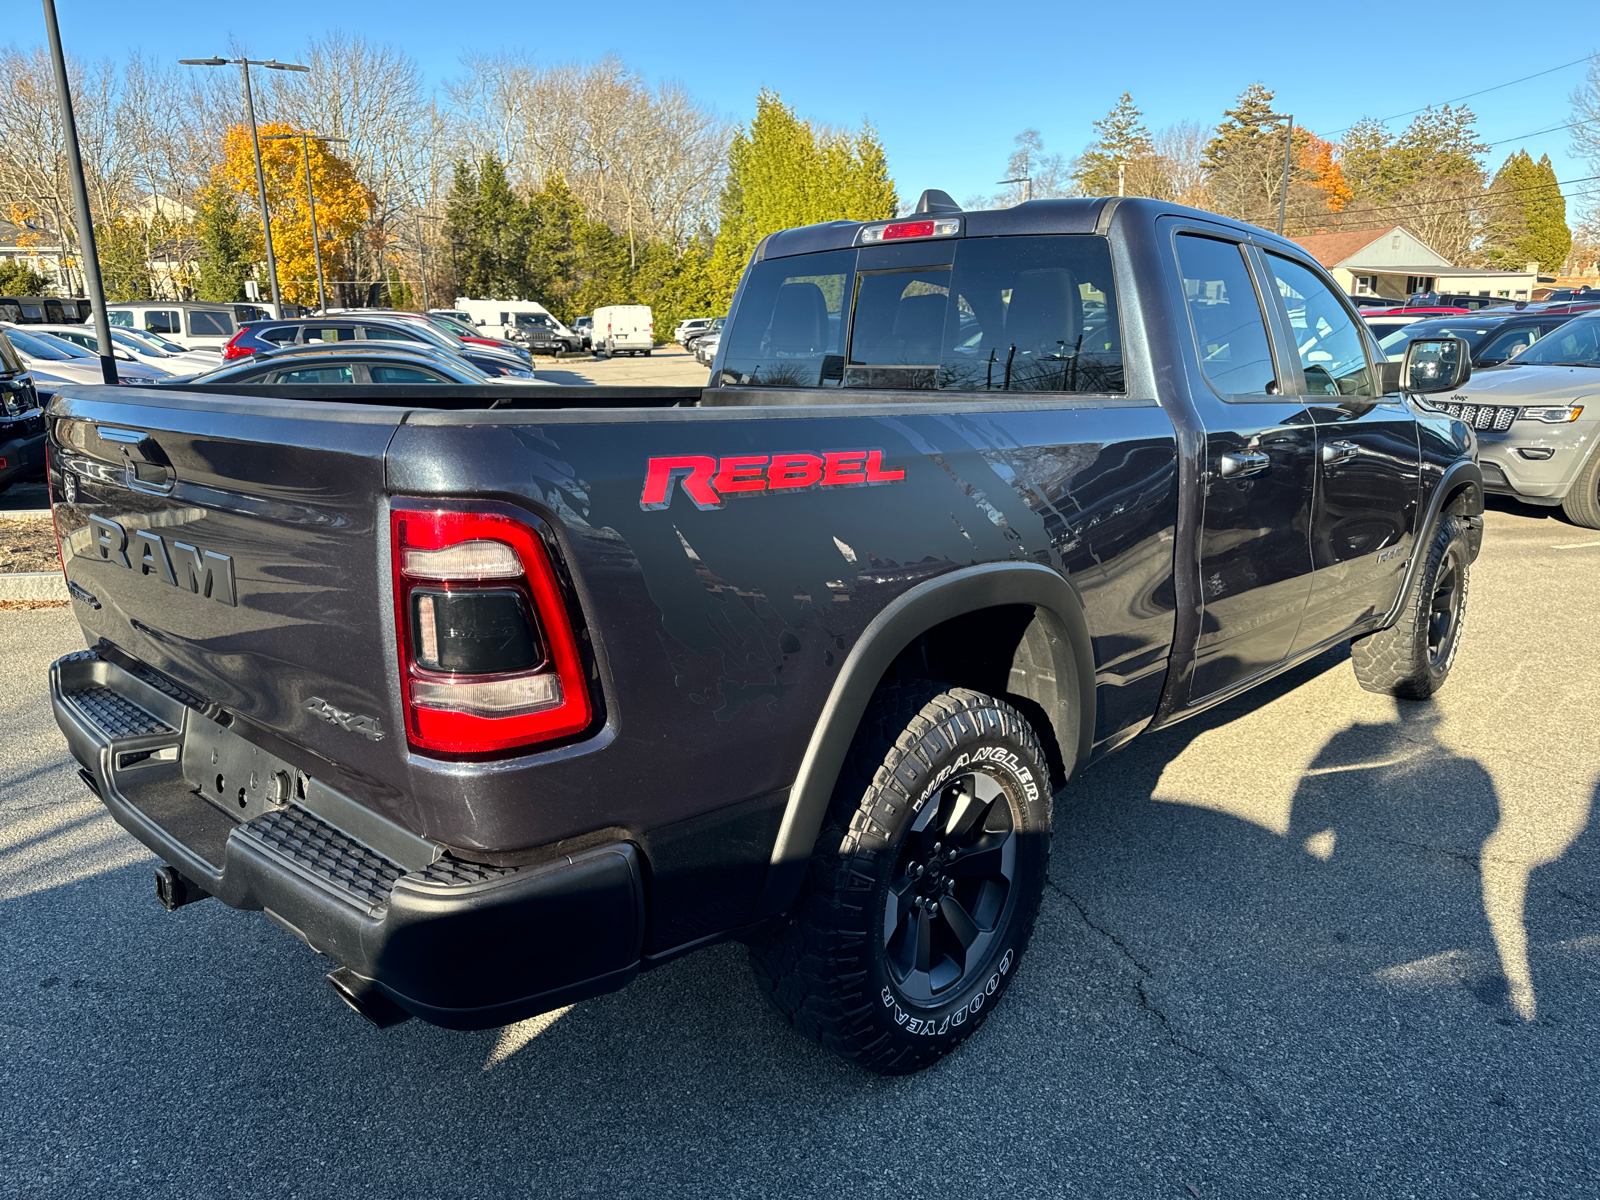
(708,481)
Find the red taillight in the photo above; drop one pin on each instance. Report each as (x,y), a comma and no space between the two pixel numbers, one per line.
(489,659)
(901,230)
(234,350)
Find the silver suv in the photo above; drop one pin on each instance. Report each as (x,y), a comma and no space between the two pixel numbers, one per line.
(1538,420)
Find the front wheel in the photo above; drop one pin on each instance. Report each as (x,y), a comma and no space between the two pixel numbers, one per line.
(1582,504)
(1412,658)
(925,883)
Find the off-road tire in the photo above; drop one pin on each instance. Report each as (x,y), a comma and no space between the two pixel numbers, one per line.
(1412,658)
(827,965)
(1582,504)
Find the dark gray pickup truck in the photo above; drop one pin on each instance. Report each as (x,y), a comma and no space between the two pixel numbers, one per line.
(499,696)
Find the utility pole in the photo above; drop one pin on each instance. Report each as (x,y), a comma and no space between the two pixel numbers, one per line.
(88,255)
(422,253)
(255,144)
(311,199)
(1288,147)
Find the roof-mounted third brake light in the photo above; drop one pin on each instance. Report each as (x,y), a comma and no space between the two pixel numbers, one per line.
(898,231)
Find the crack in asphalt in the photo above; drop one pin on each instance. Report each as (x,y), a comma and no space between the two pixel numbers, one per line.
(1263,1109)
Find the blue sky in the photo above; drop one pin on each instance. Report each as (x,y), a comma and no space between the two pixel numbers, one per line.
(949,85)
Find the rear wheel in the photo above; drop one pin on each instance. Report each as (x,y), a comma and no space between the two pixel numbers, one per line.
(1412,658)
(925,883)
(1582,504)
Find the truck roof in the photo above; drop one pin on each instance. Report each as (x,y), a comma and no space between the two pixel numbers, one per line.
(1030,217)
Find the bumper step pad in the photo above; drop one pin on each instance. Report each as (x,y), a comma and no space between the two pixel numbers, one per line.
(311,847)
(114,716)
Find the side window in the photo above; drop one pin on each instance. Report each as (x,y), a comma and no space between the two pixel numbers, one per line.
(159,321)
(1229,331)
(789,329)
(1032,314)
(1333,355)
(210,324)
(384,374)
(314,333)
(121,318)
(379,333)
(282,335)
(1508,344)
(328,374)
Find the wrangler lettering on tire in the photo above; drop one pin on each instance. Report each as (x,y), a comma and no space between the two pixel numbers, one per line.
(925,882)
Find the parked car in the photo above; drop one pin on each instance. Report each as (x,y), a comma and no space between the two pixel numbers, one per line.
(131,348)
(190,325)
(352,362)
(1383,325)
(1572,293)
(687,326)
(1458,300)
(691,340)
(624,329)
(21,419)
(705,348)
(446,326)
(1537,420)
(1493,336)
(154,341)
(41,310)
(459,314)
(1406,311)
(64,361)
(515,705)
(265,335)
(518,320)
(584,328)
(253,312)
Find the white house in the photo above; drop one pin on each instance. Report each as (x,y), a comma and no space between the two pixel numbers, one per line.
(1396,264)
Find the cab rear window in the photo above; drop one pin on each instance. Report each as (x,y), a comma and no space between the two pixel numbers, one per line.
(1002,314)
(210,324)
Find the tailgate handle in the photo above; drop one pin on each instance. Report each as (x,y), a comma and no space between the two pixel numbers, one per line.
(149,476)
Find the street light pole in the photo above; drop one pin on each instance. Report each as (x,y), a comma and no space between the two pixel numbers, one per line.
(311,200)
(255,144)
(1288,147)
(88,256)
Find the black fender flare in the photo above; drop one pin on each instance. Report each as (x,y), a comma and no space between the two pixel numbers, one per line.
(1058,611)
(1462,476)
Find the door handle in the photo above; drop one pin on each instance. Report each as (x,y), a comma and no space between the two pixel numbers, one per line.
(1246,462)
(1337,452)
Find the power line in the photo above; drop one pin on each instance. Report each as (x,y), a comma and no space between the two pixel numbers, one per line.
(1462,205)
(1537,132)
(1481,92)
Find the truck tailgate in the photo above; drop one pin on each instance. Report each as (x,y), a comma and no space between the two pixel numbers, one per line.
(239,549)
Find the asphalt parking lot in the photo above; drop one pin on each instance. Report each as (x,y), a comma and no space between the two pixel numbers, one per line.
(666,366)
(1311,944)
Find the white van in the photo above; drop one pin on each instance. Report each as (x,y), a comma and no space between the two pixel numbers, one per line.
(190,325)
(624,329)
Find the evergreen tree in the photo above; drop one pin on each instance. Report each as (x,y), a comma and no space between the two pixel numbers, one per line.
(1361,158)
(1122,140)
(489,227)
(124,268)
(783,173)
(1527,216)
(1245,158)
(19,279)
(224,246)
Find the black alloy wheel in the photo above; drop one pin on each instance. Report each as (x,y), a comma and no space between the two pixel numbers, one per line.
(1444,621)
(925,882)
(952,888)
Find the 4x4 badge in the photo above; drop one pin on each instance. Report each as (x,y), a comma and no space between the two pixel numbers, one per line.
(354,722)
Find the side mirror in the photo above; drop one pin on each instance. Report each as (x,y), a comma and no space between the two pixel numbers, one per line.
(1435,365)
(481,322)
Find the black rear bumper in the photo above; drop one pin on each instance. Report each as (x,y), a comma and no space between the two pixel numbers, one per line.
(458,944)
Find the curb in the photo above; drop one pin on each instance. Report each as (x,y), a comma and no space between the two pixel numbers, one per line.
(24,514)
(33,585)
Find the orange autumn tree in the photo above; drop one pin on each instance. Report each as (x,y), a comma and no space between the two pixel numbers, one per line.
(1318,162)
(344,205)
